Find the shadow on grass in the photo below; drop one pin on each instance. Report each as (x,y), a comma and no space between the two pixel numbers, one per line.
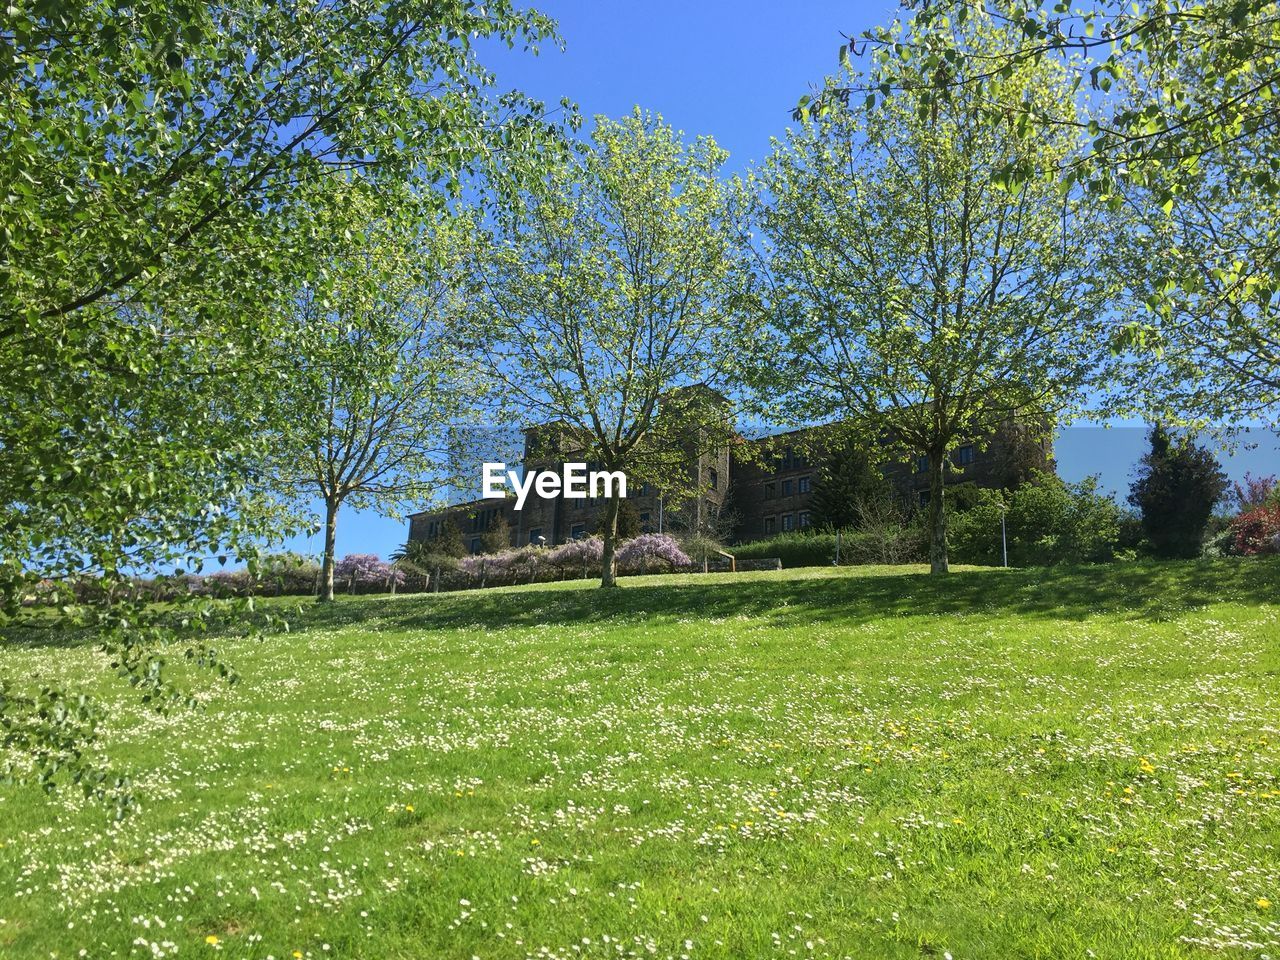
(1148,590)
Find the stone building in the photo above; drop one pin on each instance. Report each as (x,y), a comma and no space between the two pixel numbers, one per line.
(768,484)
(774,487)
(555,520)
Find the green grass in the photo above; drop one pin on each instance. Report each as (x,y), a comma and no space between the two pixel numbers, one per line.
(857,763)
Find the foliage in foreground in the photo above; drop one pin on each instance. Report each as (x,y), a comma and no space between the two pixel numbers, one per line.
(160,162)
(1022,763)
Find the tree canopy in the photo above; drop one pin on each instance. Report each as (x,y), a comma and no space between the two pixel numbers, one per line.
(607,304)
(162,165)
(917,295)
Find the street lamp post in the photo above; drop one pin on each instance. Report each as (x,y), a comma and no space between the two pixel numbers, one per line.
(1004,537)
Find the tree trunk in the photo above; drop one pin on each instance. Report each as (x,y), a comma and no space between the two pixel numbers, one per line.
(937,512)
(330,541)
(609,534)
(435,580)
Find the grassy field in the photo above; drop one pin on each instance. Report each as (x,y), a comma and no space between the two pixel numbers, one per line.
(855,763)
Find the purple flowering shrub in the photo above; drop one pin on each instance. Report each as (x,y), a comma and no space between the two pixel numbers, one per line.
(576,555)
(365,570)
(651,552)
(508,566)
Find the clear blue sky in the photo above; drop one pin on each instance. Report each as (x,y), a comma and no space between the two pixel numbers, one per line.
(732,70)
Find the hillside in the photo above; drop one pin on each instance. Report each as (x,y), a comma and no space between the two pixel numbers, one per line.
(822,763)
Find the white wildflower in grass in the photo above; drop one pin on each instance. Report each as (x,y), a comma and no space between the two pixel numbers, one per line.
(826,763)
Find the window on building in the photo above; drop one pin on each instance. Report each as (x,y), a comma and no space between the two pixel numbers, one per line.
(786,488)
(788,521)
(922,464)
(535,534)
(769,524)
(475,544)
(645,489)
(715,479)
(770,491)
(805,484)
(966,455)
(924,498)
(578,530)
(806,519)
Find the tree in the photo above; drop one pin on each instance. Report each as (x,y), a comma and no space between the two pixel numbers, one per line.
(497,537)
(1018,455)
(1183,138)
(848,485)
(915,295)
(607,304)
(1177,486)
(383,383)
(626,522)
(160,163)
(429,558)
(1045,522)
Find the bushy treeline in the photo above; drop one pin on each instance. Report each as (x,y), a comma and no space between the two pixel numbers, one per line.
(1047,521)
(365,573)
(1178,509)
(577,559)
(277,575)
(815,548)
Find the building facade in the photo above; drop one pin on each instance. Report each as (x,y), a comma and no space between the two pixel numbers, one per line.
(768,486)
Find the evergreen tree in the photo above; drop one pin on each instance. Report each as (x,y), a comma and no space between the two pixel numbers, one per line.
(848,483)
(498,535)
(429,558)
(628,524)
(1177,487)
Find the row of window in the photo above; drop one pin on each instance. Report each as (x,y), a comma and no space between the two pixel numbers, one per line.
(790,460)
(800,520)
(963,457)
(802,485)
(713,481)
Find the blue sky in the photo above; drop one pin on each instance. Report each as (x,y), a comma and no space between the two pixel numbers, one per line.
(734,71)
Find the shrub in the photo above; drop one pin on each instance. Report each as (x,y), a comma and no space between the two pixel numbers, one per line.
(796,549)
(227,583)
(890,541)
(287,574)
(702,549)
(650,552)
(1257,531)
(497,536)
(1176,489)
(1254,492)
(1046,522)
(578,556)
(364,572)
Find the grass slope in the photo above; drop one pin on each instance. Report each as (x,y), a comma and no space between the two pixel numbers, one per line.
(853,763)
